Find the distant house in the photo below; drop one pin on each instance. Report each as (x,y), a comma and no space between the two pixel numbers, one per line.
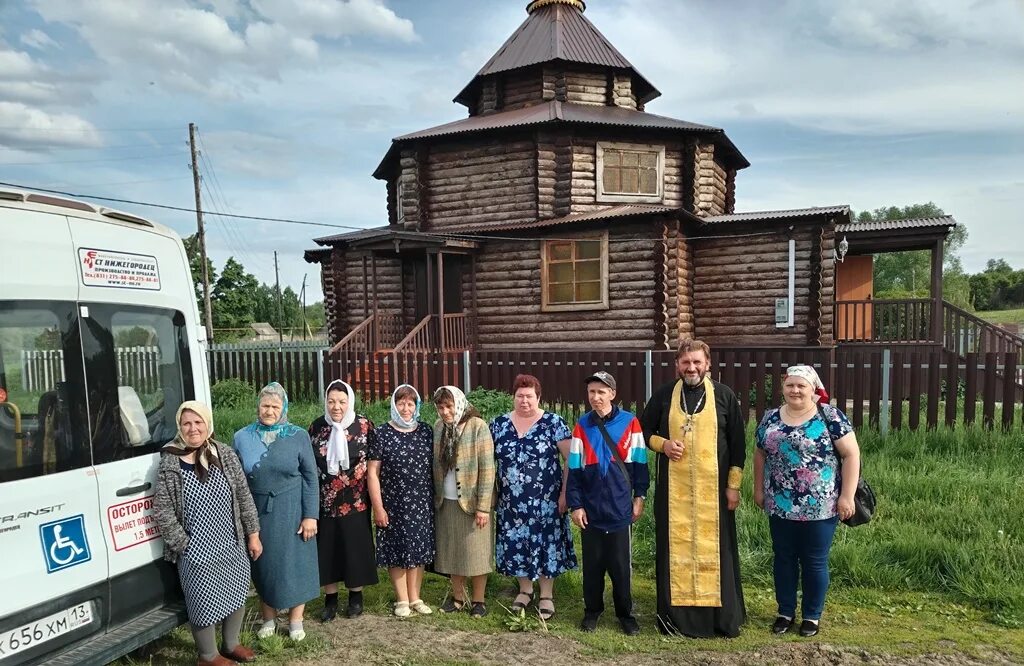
(561,214)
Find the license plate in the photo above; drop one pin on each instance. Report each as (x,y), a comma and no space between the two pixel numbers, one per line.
(44,629)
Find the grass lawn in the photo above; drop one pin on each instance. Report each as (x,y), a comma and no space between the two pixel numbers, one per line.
(1003,316)
(940,570)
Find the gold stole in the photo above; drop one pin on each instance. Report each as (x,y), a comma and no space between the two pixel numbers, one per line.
(695,576)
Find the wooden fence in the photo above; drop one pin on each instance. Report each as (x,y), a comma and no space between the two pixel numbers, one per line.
(880,387)
(138,367)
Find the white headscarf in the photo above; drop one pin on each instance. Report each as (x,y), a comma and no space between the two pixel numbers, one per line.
(810,375)
(337,444)
(396,417)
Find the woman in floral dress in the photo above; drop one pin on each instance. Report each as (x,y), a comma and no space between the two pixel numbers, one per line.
(345,541)
(533,540)
(806,466)
(402,493)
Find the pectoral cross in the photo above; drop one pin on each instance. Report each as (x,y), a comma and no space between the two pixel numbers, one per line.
(688,426)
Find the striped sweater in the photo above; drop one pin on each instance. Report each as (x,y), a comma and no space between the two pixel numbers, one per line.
(596,482)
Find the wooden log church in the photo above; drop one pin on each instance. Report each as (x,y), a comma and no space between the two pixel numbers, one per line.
(561,214)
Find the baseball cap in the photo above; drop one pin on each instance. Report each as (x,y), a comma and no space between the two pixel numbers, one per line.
(603,377)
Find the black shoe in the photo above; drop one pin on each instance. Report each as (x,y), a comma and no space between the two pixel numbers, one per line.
(782,625)
(589,622)
(452,605)
(479,609)
(808,628)
(354,609)
(629,625)
(328,613)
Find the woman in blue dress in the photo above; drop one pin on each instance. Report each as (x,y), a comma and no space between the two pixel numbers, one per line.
(533,536)
(277,459)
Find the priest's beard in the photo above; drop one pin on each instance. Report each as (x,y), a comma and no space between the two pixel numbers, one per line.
(694,381)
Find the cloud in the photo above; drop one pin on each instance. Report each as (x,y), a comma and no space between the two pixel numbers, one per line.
(38,40)
(219,48)
(337,18)
(861,68)
(22,126)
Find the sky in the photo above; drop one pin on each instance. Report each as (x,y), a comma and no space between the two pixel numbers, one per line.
(869,103)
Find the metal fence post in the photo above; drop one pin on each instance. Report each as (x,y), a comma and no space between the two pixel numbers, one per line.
(467,377)
(649,376)
(883,410)
(321,355)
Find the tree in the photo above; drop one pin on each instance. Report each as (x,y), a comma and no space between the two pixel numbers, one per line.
(235,297)
(195,264)
(908,274)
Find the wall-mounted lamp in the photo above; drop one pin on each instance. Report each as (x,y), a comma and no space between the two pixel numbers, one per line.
(840,253)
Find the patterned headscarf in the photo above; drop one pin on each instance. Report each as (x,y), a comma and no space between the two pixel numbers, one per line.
(337,444)
(450,431)
(810,375)
(252,441)
(396,417)
(206,455)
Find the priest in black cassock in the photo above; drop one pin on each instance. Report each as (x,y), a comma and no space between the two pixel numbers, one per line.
(695,426)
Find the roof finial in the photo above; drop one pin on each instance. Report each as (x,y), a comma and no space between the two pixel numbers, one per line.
(537,4)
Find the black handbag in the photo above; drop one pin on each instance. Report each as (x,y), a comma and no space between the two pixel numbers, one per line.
(863,497)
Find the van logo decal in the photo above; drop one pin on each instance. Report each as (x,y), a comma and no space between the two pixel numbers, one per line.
(120,270)
(64,543)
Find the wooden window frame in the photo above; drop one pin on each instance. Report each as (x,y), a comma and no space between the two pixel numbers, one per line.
(601,304)
(399,197)
(624,197)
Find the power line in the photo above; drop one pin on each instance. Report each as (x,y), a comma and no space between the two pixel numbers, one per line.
(106,159)
(425,234)
(89,130)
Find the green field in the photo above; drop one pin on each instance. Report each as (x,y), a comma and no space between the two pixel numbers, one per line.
(940,569)
(1003,316)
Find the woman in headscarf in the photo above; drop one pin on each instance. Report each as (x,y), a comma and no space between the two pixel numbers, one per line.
(463,498)
(402,493)
(278,462)
(210,530)
(806,467)
(344,537)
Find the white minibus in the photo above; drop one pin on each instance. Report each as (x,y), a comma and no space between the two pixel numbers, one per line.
(99,344)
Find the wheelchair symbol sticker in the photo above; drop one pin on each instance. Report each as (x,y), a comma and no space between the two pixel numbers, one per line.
(64,543)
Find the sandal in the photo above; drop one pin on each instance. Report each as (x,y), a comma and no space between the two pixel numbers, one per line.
(519,606)
(420,607)
(546,611)
(479,609)
(452,605)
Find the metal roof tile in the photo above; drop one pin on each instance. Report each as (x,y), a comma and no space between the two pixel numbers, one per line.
(755,216)
(893,225)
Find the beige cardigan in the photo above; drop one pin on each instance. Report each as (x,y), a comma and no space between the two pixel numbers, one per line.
(474,466)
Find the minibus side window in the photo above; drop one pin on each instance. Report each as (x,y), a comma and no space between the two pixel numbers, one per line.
(138,371)
(42,409)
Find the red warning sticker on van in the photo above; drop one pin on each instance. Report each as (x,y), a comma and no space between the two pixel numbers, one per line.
(132,523)
(124,270)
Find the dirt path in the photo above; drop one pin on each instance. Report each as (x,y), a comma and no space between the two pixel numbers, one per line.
(375,639)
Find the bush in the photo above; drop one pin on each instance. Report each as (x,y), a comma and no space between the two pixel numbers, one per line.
(233,394)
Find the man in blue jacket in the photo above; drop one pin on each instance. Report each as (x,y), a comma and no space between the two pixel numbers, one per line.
(608,481)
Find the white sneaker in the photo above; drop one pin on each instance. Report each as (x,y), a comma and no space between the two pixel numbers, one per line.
(402,609)
(296,634)
(266,630)
(420,607)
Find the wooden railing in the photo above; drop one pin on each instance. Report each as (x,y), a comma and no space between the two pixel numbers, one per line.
(964,333)
(389,330)
(455,332)
(421,338)
(360,338)
(906,320)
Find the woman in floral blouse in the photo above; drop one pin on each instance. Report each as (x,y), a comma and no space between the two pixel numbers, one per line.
(806,467)
(345,538)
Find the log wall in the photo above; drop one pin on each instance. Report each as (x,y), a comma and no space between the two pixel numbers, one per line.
(331,267)
(484,183)
(351,311)
(412,193)
(509,297)
(710,184)
(584,171)
(586,87)
(827,286)
(622,91)
(736,282)
(521,89)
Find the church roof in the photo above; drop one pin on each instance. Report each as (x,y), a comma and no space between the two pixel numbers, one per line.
(557,30)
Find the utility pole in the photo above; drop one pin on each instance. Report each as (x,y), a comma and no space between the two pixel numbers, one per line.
(280,312)
(201,236)
(304,326)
